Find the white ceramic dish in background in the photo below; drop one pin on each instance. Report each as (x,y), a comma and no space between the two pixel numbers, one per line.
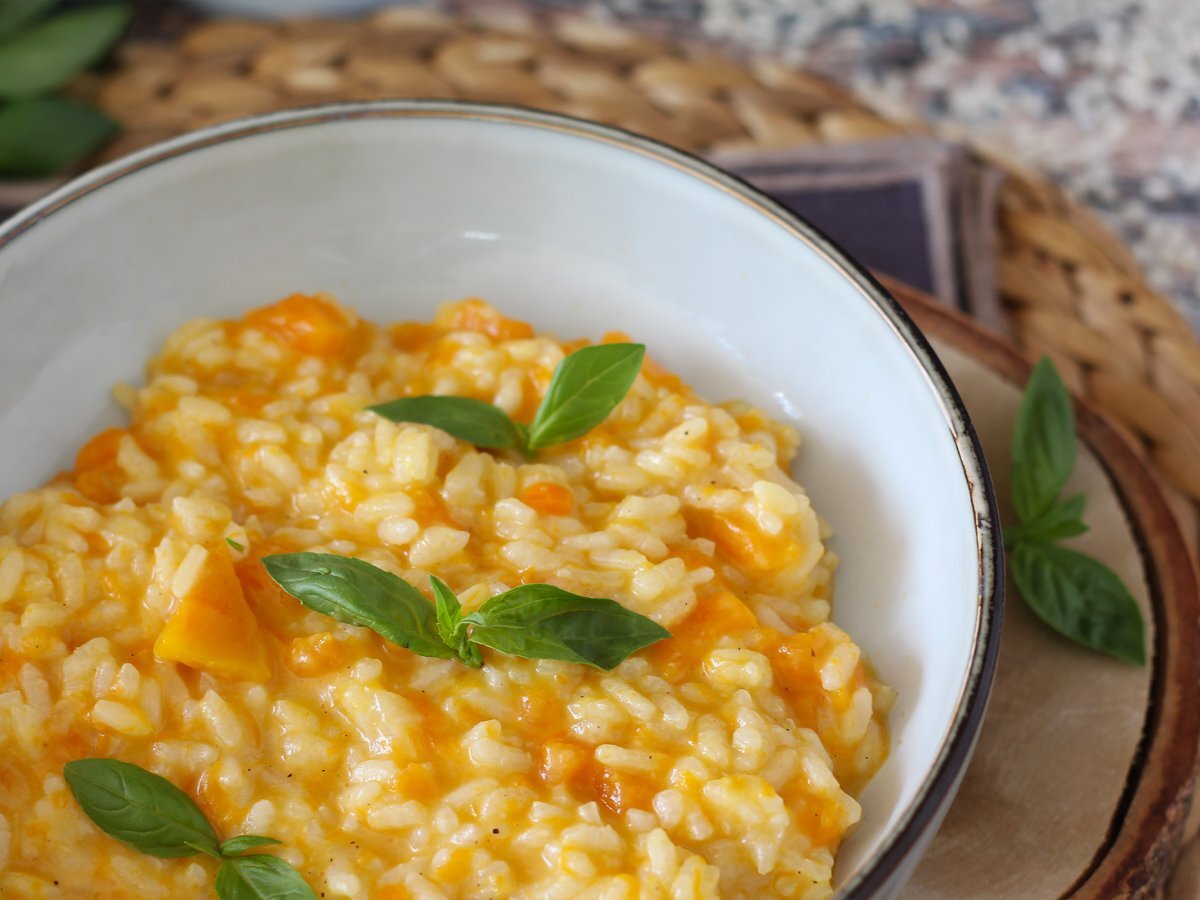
(580,229)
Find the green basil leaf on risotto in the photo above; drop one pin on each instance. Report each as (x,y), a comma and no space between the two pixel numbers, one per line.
(449,610)
(465,418)
(450,623)
(261,877)
(586,386)
(244,842)
(541,621)
(358,593)
(1063,520)
(140,809)
(1043,445)
(1080,598)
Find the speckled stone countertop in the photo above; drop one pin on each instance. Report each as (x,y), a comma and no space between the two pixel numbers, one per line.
(1102,95)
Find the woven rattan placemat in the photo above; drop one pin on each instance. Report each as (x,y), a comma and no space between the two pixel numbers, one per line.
(1069,288)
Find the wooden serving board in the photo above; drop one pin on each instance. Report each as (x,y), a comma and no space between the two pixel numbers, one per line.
(1083,775)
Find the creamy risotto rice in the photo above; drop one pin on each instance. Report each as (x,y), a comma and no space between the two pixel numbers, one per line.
(720,762)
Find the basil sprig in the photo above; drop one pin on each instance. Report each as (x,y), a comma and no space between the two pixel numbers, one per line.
(1076,595)
(41,134)
(148,813)
(533,621)
(541,621)
(467,419)
(47,54)
(586,386)
(358,593)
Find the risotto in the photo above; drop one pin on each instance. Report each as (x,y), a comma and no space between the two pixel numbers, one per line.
(137,622)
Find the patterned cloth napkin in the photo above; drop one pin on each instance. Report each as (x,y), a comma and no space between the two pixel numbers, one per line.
(919,209)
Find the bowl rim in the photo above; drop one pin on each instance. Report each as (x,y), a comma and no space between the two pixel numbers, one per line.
(937,788)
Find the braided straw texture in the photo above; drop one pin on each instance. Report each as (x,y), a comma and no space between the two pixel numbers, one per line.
(1072,290)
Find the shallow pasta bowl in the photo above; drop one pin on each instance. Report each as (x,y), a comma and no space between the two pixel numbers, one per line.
(579,229)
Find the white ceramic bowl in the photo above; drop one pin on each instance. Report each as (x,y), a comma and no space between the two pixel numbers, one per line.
(580,229)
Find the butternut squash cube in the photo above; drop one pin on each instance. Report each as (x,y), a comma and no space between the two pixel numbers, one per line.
(211,627)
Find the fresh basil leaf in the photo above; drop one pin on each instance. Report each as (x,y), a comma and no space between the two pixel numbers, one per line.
(47,55)
(42,137)
(244,842)
(140,809)
(541,621)
(16,14)
(449,610)
(1043,442)
(586,386)
(261,877)
(465,418)
(1080,598)
(1060,521)
(235,544)
(450,623)
(358,593)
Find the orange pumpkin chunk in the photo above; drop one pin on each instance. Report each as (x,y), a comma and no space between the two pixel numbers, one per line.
(97,475)
(274,608)
(212,627)
(548,498)
(476,315)
(714,616)
(741,541)
(412,336)
(563,762)
(315,654)
(797,671)
(305,323)
(620,791)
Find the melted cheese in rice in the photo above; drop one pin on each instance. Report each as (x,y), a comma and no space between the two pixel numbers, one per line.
(720,762)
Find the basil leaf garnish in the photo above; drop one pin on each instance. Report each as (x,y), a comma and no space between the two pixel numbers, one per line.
(1080,598)
(358,593)
(534,621)
(541,621)
(449,610)
(1074,594)
(1043,442)
(140,809)
(48,54)
(450,623)
(586,386)
(261,877)
(44,136)
(465,418)
(148,813)
(16,14)
(1060,521)
(244,842)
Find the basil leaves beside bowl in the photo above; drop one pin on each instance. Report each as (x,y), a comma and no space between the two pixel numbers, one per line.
(148,813)
(42,134)
(1077,596)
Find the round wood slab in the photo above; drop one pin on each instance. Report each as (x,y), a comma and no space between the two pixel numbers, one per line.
(1083,775)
